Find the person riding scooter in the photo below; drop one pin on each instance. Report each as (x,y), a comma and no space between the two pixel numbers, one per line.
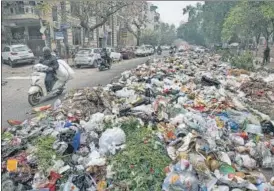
(105,56)
(159,50)
(50,61)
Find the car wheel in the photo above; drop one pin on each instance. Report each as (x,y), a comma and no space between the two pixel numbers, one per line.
(78,66)
(11,63)
(32,62)
(95,64)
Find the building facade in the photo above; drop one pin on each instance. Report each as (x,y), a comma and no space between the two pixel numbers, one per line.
(26,23)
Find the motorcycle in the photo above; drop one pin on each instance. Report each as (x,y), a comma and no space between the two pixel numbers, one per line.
(159,52)
(38,90)
(103,65)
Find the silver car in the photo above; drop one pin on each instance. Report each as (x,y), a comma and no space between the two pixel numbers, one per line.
(87,57)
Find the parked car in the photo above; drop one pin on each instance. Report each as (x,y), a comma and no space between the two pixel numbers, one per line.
(142,51)
(87,57)
(150,49)
(17,54)
(199,50)
(114,55)
(128,52)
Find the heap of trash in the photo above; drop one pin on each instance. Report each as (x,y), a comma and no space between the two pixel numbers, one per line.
(188,122)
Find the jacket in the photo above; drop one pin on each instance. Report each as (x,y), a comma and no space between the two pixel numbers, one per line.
(50,61)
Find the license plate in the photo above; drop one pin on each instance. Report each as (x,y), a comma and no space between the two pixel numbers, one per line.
(24,56)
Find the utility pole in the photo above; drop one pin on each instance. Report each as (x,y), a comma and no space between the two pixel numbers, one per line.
(64,26)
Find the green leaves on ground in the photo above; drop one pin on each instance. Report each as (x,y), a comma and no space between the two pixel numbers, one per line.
(45,152)
(141,164)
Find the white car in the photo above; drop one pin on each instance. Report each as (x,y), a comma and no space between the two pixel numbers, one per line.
(149,48)
(17,54)
(115,56)
(87,57)
(142,51)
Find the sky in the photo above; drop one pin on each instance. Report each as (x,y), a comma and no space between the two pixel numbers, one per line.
(172,11)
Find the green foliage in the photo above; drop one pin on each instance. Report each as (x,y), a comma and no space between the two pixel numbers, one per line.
(248,19)
(44,152)
(244,61)
(140,166)
(149,37)
(205,22)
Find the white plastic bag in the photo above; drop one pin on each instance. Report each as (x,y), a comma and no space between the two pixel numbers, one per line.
(62,73)
(68,68)
(110,139)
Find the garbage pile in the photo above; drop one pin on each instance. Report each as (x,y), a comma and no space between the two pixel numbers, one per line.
(178,123)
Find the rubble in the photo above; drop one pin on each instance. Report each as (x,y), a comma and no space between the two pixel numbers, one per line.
(188,122)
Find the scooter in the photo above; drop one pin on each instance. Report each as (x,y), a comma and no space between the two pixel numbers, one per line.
(159,52)
(102,65)
(38,91)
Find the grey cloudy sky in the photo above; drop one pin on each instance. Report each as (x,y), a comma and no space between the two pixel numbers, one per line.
(172,11)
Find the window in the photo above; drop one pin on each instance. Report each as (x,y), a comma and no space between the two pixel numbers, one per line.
(20,49)
(11,10)
(32,3)
(27,10)
(6,49)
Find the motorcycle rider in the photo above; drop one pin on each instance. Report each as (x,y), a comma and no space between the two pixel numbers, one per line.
(105,56)
(159,49)
(50,61)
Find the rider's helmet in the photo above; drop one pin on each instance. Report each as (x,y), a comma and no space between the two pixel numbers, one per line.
(46,51)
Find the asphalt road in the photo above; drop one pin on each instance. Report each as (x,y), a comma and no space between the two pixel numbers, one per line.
(15,97)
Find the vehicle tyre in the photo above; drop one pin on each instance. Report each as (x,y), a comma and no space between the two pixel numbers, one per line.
(34,99)
(78,66)
(11,63)
(60,92)
(95,64)
(32,62)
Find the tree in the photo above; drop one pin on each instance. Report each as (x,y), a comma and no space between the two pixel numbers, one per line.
(249,19)
(149,37)
(167,33)
(102,10)
(192,30)
(135,18)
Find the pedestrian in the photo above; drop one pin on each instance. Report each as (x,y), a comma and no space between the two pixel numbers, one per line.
(266,55)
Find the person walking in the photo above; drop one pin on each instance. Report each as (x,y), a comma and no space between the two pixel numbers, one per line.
(266,55)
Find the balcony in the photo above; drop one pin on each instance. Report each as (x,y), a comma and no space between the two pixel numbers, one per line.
(21,16)
(20,12)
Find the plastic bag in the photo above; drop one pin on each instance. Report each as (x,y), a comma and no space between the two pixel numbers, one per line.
(125,93)
(69,70)
(110,139)
(62,73)
(254,129)
(95,123)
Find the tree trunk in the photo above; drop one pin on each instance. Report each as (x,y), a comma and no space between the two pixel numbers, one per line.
(257,43)
(64,21)
(138,36)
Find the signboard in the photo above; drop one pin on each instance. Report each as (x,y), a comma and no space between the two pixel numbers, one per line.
(59,36)
(65,26)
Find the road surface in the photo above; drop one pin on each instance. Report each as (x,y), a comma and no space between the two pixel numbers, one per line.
(15,97)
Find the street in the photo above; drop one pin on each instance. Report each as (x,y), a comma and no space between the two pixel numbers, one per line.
(15,97)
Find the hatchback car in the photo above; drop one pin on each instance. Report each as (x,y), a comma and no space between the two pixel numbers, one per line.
(87,57)
(17,54)
(127,52)
(115,56)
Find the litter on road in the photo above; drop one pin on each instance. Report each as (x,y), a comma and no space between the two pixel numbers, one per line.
(188,122)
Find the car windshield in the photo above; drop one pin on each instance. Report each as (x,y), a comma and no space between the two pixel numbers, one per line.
(96,50)
(20,49)
(84,51)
